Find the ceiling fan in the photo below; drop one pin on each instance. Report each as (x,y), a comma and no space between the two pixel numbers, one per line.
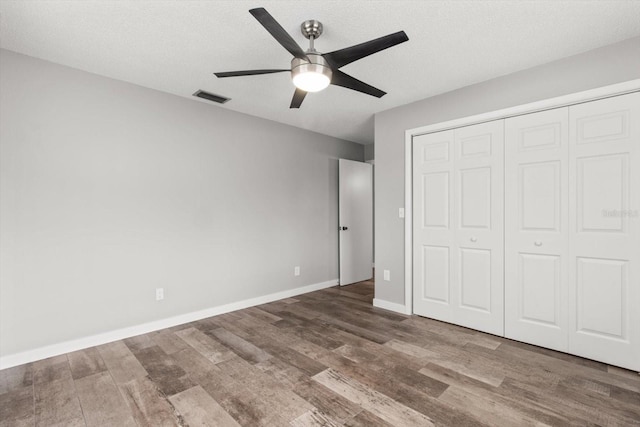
(312,71)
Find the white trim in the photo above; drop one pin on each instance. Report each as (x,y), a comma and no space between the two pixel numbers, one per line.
(131,331)
(391,306)
(408,223)
(547,104)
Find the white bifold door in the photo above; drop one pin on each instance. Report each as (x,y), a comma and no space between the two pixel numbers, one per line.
(570,258)
(536,228)
(458,226)
(604,230)
(572,229)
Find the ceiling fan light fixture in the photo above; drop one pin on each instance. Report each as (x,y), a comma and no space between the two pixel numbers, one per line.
(312,76)
(311,81)
(312,71)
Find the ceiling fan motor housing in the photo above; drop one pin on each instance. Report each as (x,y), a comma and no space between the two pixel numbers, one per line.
(315,65)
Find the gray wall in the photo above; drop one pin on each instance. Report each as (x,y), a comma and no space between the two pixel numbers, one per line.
(600,67)
(369,152)
(109,190)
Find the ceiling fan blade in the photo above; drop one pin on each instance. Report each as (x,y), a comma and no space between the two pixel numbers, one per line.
(342,57)
(279,33)
(298,97)
(247,73)
(341,79)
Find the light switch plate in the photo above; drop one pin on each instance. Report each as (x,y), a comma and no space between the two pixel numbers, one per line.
(387,275)
(401,212)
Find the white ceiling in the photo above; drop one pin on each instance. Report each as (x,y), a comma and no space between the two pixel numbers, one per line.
(175,46)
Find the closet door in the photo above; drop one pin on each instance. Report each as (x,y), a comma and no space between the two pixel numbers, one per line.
(458,226)
(604,230)
(433,234)
(479,226)
(536,228)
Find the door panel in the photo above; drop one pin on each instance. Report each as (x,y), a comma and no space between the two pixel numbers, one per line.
(479,232)
(539,289)
(475,279)
(539,196)
(356,221)
(602,184)
(435,273)
(542,136)
(604,232)
(475,145)
(536,221)
(435,200)
(601,291)
(435,152)
(458,211)
(433,266)
(475,198)
(602,127)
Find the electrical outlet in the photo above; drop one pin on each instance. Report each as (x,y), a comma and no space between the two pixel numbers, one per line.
(387,275)
(296,271)
(159,294)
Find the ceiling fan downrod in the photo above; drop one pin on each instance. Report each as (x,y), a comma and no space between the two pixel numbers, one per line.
(315,74)
(311,29)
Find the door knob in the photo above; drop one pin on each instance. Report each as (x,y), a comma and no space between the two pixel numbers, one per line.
(343,228)
(537,243)
(474,239)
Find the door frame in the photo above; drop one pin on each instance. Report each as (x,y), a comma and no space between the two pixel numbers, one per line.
(533,107)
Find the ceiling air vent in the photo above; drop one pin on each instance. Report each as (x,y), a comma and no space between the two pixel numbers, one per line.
(211,97)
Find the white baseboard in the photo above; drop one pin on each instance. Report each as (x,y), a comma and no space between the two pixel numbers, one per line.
(12,360)
(391,306)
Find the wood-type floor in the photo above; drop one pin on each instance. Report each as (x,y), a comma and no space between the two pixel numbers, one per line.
(327,358)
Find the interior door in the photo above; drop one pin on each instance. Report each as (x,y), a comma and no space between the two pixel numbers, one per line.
(536,228)
(604,203)
(458,226)
(434,272)
(479,207)
(355,221)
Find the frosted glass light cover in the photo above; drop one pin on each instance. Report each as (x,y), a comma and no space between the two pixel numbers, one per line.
(311,81)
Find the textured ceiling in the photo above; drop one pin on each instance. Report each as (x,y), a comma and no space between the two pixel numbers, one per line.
(175,46)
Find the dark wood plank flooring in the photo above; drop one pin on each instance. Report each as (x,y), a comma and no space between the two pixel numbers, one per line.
(327,358)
